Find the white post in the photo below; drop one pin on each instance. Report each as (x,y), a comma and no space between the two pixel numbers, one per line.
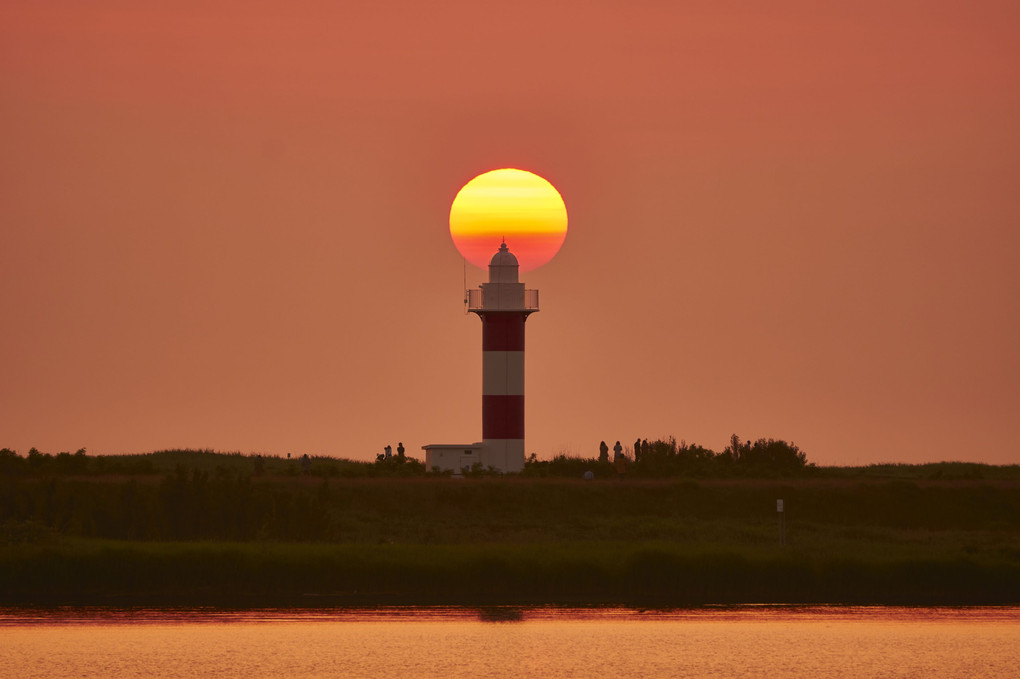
(782,522)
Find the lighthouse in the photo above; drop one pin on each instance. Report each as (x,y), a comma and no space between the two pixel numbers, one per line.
(503,305)
(527,210)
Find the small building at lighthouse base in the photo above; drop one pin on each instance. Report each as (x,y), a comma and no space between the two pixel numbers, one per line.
(501,456)
(456,457)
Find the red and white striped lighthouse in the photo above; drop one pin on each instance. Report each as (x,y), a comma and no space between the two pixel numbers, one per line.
(503,305)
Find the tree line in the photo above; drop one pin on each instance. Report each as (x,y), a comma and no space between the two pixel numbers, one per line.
(217,464)
(667,458)
(659,458)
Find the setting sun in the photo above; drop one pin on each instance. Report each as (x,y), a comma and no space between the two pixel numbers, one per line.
(517,206)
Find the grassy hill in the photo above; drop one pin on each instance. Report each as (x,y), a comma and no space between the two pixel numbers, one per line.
(196,527)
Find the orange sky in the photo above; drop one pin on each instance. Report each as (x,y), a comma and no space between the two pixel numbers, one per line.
(227,227)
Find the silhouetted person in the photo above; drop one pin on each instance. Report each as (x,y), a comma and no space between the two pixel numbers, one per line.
(400,449)
(259,465)
(637,450)
(306,464)
(617,452)
(603,453)
(621,461)
(389,451)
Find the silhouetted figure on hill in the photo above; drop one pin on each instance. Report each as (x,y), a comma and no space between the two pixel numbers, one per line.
(306,464)
(603,453)
(400,449)
(389,451)
(637,450)
(619,460)
(260,465)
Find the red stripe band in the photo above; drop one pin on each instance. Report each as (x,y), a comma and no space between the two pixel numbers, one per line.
(502,417)
(503,331)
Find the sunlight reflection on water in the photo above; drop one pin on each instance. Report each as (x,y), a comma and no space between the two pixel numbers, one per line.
(742,641)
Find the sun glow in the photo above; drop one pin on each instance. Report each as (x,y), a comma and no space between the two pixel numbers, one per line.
(513,205)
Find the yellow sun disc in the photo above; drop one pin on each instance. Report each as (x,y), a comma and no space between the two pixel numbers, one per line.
(517,206)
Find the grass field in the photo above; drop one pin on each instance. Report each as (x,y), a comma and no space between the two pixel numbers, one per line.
(637,573)
(192,537)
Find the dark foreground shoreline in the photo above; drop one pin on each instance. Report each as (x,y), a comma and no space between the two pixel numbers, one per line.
(104,573)
(191,539)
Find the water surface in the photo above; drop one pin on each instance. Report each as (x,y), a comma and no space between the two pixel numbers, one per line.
(745,641)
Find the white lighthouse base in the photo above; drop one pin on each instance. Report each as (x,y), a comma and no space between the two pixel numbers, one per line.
(506,455)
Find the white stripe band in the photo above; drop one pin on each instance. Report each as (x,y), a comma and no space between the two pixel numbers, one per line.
(502,373)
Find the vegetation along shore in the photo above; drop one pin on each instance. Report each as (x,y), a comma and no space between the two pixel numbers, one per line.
(205,528)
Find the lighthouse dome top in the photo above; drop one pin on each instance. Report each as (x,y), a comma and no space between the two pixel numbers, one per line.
(504,257)
(503,266)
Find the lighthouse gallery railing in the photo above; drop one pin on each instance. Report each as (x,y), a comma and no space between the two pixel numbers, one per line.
(476,302)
